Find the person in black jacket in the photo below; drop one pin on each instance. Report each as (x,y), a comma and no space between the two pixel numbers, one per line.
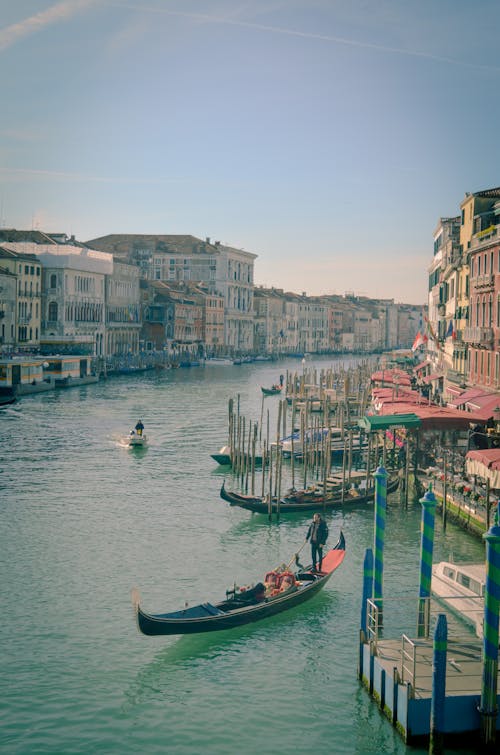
(317,535)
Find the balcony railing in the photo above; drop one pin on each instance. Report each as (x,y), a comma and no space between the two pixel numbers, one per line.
(482,281)
(477,335)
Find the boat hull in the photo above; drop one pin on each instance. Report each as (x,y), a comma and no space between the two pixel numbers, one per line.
(217,619)
(309,502)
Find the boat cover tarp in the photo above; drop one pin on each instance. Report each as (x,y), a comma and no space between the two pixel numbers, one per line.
(485,464)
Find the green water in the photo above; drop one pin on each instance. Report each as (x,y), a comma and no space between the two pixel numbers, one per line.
(85,519)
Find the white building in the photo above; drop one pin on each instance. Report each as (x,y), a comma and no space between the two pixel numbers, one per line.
(222,269)
(73,296)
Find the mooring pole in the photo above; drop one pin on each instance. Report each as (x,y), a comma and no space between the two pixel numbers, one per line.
(426,549)
(488,710)
(380,476)
(367,593)
(438,686)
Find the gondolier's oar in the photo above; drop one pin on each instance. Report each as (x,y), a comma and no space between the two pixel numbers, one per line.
(285,567)
(296,555)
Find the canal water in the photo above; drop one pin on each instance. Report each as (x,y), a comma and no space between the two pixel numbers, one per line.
(85,519)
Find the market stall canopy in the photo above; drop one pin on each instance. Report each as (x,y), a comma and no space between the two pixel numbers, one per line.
(430,378)
(485,407)
(468,395)
(421,366)
(433,417)
(372,423)
(391,377)
(485,464)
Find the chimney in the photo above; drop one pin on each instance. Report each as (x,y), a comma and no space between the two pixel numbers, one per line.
(207,239)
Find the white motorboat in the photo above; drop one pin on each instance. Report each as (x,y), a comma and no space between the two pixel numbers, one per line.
(461,587)
(136,440)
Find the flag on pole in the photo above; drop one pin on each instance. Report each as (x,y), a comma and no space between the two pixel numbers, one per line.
(432,334)
(420,340)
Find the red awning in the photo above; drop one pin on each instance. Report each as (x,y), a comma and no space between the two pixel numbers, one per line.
(430,378)
(485,464)
(432,415)
(490,457)
(392,376)
(454,390)
(421,366)
(468,395)
(484,406)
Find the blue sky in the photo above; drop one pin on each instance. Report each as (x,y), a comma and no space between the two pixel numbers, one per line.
(326,136)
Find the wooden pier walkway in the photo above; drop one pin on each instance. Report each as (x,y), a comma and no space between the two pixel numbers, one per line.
(398,673)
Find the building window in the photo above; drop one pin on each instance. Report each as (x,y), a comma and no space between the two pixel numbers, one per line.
(53,311)
(53,281)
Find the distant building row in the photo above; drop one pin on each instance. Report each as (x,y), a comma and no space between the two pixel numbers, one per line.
(121,294)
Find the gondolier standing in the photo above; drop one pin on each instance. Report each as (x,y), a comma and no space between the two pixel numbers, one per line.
(317,534)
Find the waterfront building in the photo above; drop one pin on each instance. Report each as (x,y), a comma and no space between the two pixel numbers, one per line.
(212,318)
(173,318)
(410,320)
(270,312)
(27,268)
(8,309)
(157,317)
(313,324)
(483,333)
(73,295)
(123,317)
(222,269)
(447,311)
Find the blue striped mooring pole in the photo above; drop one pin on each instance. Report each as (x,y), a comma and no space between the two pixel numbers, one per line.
(488,706)
(380,515)
(367,590)
(426,548)
(438,685)
(367,594)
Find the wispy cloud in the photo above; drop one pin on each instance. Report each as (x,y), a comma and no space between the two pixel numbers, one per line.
(32,173)
(207,18)
(33,24)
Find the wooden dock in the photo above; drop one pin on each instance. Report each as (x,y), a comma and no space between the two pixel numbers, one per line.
(398,673)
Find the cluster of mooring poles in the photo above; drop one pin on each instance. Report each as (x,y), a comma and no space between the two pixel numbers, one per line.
(373,591)
(318,437)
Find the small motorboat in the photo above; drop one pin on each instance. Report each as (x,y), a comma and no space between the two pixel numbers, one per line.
(461,588)
(282,589)
(223,457)
(136,440)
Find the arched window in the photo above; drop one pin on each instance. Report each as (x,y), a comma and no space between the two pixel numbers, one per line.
(53,280)
(53,311)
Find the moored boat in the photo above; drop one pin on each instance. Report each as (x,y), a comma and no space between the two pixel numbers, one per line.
(311,499)
(223,457)
(281,589)
(461,588)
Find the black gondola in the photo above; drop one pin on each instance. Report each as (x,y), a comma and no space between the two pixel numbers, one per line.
(244,605)
(304,500)
(273,391)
